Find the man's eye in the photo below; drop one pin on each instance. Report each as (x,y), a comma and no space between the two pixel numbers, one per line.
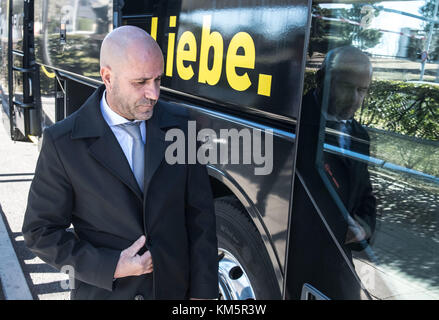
(346,86)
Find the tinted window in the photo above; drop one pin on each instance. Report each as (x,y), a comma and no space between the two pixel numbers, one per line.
(372,72)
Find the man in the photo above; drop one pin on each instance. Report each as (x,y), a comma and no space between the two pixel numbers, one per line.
(342,84)
(143,229)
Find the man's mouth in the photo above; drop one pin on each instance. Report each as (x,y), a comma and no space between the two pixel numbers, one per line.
(146,106)
(347,110)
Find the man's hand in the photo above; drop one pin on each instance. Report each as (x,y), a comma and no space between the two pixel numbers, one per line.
(355,232)
(131,264)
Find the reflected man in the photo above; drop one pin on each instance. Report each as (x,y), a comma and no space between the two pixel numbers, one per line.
(342,84)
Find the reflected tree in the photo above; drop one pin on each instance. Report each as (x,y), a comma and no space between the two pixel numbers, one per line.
(326,35)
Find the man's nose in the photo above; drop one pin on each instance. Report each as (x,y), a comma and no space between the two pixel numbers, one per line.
(352,95)
(152,91)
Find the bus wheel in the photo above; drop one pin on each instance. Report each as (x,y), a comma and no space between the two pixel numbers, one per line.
(245,271)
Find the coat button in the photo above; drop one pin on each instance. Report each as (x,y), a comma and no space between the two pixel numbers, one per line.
(139,297)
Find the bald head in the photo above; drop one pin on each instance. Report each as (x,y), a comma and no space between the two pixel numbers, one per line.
(125,42)
(131,69)
(349,72)
(350,59)
(345,59)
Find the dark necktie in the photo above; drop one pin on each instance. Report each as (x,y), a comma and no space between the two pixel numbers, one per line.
(344,129)
(345,139)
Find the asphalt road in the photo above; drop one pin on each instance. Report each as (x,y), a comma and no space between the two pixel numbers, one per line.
(17,165)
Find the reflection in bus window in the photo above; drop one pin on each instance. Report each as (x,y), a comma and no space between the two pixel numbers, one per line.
(372,71)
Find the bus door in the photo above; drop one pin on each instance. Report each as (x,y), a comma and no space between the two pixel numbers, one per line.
(366,199)
(4,63)
(20,70)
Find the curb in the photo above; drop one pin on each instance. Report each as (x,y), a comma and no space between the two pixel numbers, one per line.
(13,282)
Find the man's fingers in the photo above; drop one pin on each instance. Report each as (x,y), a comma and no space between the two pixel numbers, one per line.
(146,260)
(149,269)
(135,247)
(146,255)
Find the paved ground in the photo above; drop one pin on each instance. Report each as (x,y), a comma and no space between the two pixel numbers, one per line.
(17,165)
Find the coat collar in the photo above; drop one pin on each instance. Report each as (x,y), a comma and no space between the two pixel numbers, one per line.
(89,123)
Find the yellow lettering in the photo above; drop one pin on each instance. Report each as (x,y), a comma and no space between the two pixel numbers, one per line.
(244,40)
(264,85)
(170,55)
(173,21)
(183,55)
(171,47)
(154,23)
(240,57)
(210,40)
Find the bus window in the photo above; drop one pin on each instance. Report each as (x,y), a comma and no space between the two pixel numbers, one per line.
(372,72)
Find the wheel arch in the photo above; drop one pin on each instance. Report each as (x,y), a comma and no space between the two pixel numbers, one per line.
(224,185)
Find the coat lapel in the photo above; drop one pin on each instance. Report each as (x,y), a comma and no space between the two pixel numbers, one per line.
(107,151)
(105,148)
(155,147)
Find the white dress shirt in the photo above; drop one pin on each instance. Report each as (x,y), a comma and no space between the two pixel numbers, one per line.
(124,139)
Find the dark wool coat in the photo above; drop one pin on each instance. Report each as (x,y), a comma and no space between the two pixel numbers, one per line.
(83,178)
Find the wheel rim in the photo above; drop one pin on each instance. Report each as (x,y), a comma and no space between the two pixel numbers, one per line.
(234,283)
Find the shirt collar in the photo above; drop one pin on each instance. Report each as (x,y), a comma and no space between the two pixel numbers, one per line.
(111,117)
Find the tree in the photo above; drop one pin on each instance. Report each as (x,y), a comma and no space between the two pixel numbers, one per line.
(428,11)
(326,35)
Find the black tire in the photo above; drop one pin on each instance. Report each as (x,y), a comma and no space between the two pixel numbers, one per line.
(237,234)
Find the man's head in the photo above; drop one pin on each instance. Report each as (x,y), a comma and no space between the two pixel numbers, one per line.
(131,69)
(350,74)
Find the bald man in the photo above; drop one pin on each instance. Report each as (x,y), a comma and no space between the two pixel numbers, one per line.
(342,85)
(349,73)
(142,229)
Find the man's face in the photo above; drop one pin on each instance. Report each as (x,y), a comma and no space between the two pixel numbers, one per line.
(135,85)
(348,90)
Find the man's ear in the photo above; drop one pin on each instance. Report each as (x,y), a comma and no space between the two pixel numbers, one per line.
(106,77)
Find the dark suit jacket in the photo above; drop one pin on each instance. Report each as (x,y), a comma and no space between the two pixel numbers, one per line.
(349,177)
(83,178)
(354,186)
